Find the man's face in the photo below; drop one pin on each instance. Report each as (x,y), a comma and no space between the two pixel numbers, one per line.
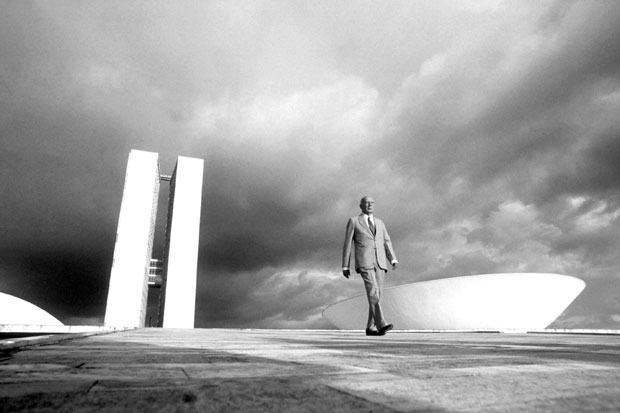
(367,205)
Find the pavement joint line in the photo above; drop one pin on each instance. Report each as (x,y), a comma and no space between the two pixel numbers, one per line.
(91,386)
(19,343)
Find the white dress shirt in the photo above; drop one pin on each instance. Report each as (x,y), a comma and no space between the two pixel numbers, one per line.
(369,219)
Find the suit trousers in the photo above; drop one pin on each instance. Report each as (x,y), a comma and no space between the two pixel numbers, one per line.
(373,282)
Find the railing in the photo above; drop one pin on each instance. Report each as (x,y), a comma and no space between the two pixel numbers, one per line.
(156,270)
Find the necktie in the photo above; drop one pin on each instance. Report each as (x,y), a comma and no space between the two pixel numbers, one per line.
(371,226)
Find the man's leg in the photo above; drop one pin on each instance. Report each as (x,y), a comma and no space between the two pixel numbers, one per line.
(370,321)
(375,316)
(382,326)
(380,277)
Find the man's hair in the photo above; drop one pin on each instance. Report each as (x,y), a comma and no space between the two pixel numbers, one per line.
(364,198)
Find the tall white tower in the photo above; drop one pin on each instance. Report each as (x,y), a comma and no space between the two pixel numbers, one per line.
(181,253)
(128,290)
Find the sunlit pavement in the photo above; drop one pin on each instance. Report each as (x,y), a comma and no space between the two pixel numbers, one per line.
(288,370)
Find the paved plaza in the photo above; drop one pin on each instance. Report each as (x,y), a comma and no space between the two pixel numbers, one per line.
(321,371)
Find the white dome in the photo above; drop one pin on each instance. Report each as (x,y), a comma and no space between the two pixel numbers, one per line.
(497,302)
(14,310)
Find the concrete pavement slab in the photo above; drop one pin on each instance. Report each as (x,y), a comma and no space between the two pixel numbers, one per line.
(305,370)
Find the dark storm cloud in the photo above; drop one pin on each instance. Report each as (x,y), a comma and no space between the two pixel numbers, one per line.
(249,217)
(270,298)
(524,90)
(57,279)
(573,56)
(487,132)
(595,169)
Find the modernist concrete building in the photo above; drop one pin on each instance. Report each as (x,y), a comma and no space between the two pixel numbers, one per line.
(129,278)
(488,302)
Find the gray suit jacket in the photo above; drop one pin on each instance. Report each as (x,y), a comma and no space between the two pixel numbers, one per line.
(370,250)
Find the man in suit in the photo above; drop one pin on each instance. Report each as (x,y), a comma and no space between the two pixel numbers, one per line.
(373,254)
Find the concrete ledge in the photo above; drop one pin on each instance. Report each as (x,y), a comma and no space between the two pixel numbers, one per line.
(544,331)
(49,337)
(56,334)
(577,331)
(52,329)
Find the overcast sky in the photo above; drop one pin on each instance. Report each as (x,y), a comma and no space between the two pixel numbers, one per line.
(488,132)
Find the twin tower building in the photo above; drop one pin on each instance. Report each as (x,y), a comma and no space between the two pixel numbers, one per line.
(133,267)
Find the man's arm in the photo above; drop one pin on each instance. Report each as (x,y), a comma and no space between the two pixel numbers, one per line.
(389,250)
(346,249)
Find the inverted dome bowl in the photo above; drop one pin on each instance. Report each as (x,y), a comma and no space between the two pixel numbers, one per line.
(514,301)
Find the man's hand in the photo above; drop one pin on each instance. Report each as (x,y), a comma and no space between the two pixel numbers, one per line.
(346,273)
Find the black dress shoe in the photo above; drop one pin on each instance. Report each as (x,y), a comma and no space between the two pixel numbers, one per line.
(385,329)
(370,332)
